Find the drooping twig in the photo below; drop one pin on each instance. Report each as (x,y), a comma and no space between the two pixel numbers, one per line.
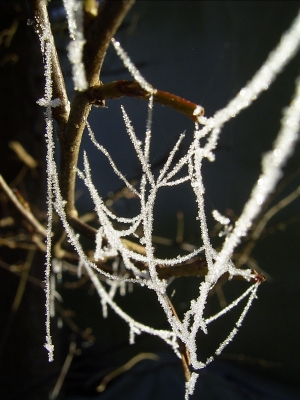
(124,368)
(61,112)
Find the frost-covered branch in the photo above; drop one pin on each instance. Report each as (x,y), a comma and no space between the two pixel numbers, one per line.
(43,27)
(138,263)
(75,48)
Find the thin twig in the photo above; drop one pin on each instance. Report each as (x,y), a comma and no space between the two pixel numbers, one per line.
(63,373)
(23,155)
(26,213)
(61,112)
(16,271)
(124,368)
(23,281)
(256,233)
(185,356)
(85,334)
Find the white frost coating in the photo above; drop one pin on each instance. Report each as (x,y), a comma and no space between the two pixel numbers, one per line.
(239,322)
(277,60)
(75,49)
(220,218)
(47,102)
(190,385)
(131,67)
(198,111)
(110,240)
(217,263)
(272,164)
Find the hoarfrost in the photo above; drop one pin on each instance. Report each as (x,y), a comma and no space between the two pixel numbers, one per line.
(116,245)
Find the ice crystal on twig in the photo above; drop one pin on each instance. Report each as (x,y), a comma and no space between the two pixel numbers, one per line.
(131,67)
(113,242)
(75,48)
(48,103)
(190,385)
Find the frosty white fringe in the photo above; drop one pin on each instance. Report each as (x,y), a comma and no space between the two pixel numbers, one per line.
(218,262)
(75,48)
(48,103)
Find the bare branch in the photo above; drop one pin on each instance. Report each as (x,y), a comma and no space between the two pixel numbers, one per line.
(26,213)
(257,231)
(117,89)
(109,18)
(23,155)
(100,32)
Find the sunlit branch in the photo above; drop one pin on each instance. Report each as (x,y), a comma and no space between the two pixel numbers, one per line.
(117,89)
(100,32)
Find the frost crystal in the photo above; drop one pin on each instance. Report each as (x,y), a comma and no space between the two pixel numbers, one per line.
(131,67)
(75,49)
(190,385)
(113,242)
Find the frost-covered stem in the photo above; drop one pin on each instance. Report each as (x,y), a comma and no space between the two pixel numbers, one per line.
(61,112)
(164,334)
(272,164)
(48,103)
(103,28)
(74,12)
(117,89)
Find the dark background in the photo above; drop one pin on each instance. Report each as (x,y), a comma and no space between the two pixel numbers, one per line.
(205,52)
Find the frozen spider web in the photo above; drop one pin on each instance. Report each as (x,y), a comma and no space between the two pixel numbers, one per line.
(113,243)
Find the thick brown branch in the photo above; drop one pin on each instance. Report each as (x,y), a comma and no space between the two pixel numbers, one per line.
(122,88)
(100,32)
(110,16)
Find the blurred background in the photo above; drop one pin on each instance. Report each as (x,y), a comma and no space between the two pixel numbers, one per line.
(204,52)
